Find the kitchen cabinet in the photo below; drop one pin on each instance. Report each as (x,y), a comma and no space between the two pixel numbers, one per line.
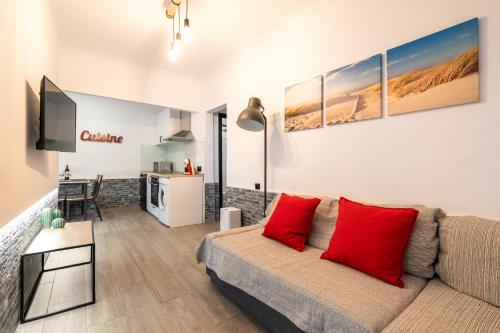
(180,199)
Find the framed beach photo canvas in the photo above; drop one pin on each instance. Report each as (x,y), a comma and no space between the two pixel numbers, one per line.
(304,105)
(353,92)
(435,71)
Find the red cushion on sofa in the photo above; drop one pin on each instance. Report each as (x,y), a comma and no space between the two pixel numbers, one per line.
(291,221)
(372,239)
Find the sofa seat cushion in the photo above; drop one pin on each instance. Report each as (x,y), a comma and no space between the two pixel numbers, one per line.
(440,308)
(316,295)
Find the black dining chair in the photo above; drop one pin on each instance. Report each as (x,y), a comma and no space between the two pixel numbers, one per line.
(91,198)
(61,202)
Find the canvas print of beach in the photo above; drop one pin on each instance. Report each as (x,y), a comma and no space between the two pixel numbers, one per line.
(353,92)
(438,70)
(304,105)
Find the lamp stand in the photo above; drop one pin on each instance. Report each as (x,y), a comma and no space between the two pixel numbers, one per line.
(265,163)
(253,119)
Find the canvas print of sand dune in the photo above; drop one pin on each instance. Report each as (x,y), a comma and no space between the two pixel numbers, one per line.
(438,70)
(353,92)
(304,105)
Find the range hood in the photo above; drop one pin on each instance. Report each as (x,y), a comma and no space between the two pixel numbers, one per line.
(181,127)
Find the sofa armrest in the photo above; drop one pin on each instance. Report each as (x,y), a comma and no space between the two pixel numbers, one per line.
(203,249)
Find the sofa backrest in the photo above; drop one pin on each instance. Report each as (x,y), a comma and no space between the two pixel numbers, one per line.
(323,223)
(423,245)
(422,249)
(469,256)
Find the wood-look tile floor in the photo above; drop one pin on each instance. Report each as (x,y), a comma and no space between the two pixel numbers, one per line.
(147,280)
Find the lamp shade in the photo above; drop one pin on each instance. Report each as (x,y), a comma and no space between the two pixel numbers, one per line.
(252,119)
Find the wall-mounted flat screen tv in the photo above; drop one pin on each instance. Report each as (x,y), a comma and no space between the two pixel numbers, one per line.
(57,119)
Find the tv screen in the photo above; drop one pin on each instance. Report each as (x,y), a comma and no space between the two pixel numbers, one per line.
(57,119)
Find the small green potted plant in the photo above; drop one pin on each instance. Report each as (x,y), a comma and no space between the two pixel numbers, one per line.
(52,218)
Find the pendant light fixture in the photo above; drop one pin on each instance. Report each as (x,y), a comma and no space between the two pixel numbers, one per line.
(186,32)
(177,38)
(172,8)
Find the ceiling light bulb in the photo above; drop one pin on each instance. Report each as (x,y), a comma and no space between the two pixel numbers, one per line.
(173,53)
(186,32)
(178,42)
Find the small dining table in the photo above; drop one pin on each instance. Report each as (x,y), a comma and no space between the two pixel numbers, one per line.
(84,185)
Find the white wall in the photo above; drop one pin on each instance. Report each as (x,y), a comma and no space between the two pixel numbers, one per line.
(29,46)
(447,158)
(202,153)
(97,74)
(136,122)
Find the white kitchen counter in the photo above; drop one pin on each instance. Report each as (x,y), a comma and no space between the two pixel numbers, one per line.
(170,175)
(180,198)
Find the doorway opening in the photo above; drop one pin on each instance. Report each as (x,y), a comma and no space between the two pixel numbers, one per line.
(222,158)
(216,189)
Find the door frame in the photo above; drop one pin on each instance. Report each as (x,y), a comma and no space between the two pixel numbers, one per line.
(220,126)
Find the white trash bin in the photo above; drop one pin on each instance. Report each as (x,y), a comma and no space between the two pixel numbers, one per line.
(230,217)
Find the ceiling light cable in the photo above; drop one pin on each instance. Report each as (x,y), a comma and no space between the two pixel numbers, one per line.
(179,20)
(173,52)
(178,36)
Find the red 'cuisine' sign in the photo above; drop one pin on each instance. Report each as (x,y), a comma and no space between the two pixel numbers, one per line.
(87,136)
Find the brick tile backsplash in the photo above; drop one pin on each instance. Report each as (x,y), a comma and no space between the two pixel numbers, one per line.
(113,193)
(249,201)
(212,201)
(14,238)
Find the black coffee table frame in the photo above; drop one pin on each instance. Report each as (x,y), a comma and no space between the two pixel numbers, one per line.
(25,309)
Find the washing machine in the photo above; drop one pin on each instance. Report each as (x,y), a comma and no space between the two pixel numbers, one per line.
(164,201)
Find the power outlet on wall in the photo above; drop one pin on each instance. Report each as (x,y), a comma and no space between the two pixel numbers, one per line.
(257,186)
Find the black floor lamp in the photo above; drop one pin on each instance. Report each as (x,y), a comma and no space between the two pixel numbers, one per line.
(253,119)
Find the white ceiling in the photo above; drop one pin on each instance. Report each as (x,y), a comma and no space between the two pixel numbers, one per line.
(137,30)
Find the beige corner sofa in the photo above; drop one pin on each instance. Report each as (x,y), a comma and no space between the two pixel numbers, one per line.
(452,278)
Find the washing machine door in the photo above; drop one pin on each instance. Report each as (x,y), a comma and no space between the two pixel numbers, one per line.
(162,200)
